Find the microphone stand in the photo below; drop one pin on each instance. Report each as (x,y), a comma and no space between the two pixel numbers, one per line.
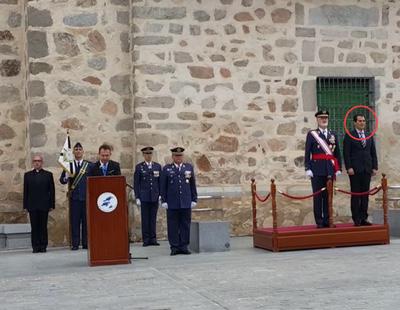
(130,254)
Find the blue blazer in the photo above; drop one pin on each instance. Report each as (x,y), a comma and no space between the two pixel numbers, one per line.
(79,193)
(321,167)
(178,188)
(146,182)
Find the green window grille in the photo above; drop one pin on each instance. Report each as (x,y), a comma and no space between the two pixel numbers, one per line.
(339,94)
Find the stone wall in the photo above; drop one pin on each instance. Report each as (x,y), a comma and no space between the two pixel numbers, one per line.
(13,108)
(233,81)
(79,79)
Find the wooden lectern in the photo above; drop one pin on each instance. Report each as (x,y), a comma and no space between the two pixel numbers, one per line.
(107,221)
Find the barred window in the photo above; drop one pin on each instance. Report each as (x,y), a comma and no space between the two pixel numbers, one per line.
(339,94)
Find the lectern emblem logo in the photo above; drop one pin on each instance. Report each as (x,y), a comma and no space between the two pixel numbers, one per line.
(107,202)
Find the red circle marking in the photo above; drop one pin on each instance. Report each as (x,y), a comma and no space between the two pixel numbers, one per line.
(361,107)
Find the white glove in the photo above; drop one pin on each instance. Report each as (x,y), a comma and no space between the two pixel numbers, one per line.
(66,176)
(338,172)
(164,205)
(309,174)
(193,204)
(138,203)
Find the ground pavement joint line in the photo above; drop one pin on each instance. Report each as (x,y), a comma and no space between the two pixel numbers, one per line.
(210,297)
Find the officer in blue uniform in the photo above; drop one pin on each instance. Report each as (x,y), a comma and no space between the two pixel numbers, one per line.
(77,196)
(321,160)
(178,196)
(146,180)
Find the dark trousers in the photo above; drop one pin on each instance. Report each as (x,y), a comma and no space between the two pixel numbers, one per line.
(178,221)
(39,229)
(321,213)
(78,223)
(359,204)
(149,221)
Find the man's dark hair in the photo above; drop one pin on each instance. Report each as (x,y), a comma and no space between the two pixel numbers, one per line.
(357,116)
(105,146)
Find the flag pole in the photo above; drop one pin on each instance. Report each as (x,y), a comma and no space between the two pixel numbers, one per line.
(69,239)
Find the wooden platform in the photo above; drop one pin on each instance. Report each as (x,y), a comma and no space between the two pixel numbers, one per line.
(311,237)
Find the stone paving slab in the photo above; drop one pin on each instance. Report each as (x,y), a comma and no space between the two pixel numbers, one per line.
(244,278)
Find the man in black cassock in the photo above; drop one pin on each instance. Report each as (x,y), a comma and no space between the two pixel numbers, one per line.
(39,199)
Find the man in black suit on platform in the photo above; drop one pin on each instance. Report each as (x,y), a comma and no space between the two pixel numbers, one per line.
(105,166)
(361,163)
(39,199)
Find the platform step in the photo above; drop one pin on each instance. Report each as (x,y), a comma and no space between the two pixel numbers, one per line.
(310,237)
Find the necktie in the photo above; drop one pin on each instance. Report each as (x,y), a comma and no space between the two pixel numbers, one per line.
(104,168)
(363,141)
(78,165)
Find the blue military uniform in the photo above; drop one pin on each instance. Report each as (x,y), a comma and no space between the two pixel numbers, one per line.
(146,182)
(178,191)
(321,169)
(77,196)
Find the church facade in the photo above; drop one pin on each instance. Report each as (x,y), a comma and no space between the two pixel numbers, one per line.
(235,82)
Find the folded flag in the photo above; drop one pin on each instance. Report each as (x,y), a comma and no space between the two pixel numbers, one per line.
(66,158)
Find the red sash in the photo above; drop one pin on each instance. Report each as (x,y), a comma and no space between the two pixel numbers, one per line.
(327,157)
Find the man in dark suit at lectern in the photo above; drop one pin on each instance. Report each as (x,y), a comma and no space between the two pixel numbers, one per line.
(361,163)
(105,166)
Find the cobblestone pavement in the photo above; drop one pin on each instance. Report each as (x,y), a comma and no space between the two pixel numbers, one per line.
(244,278)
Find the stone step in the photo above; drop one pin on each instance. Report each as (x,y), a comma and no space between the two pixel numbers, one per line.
(209,236)
(15,236)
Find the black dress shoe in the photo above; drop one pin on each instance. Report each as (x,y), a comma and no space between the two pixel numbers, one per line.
(155,243)
(84,247)
(357,224)
(43,250)
(74,248)
(174,252)
(35,251)
(365,223)
(320,226)
(185,252)
(146,244)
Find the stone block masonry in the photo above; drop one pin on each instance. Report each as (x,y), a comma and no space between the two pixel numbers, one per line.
(232,81)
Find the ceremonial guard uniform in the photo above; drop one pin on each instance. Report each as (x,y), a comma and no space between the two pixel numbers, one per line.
(322,160)
(146,182)
(179,196)
(77,196)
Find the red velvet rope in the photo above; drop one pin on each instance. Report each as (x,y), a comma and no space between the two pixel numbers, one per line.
(302,197)
(262,199)
(371,192)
